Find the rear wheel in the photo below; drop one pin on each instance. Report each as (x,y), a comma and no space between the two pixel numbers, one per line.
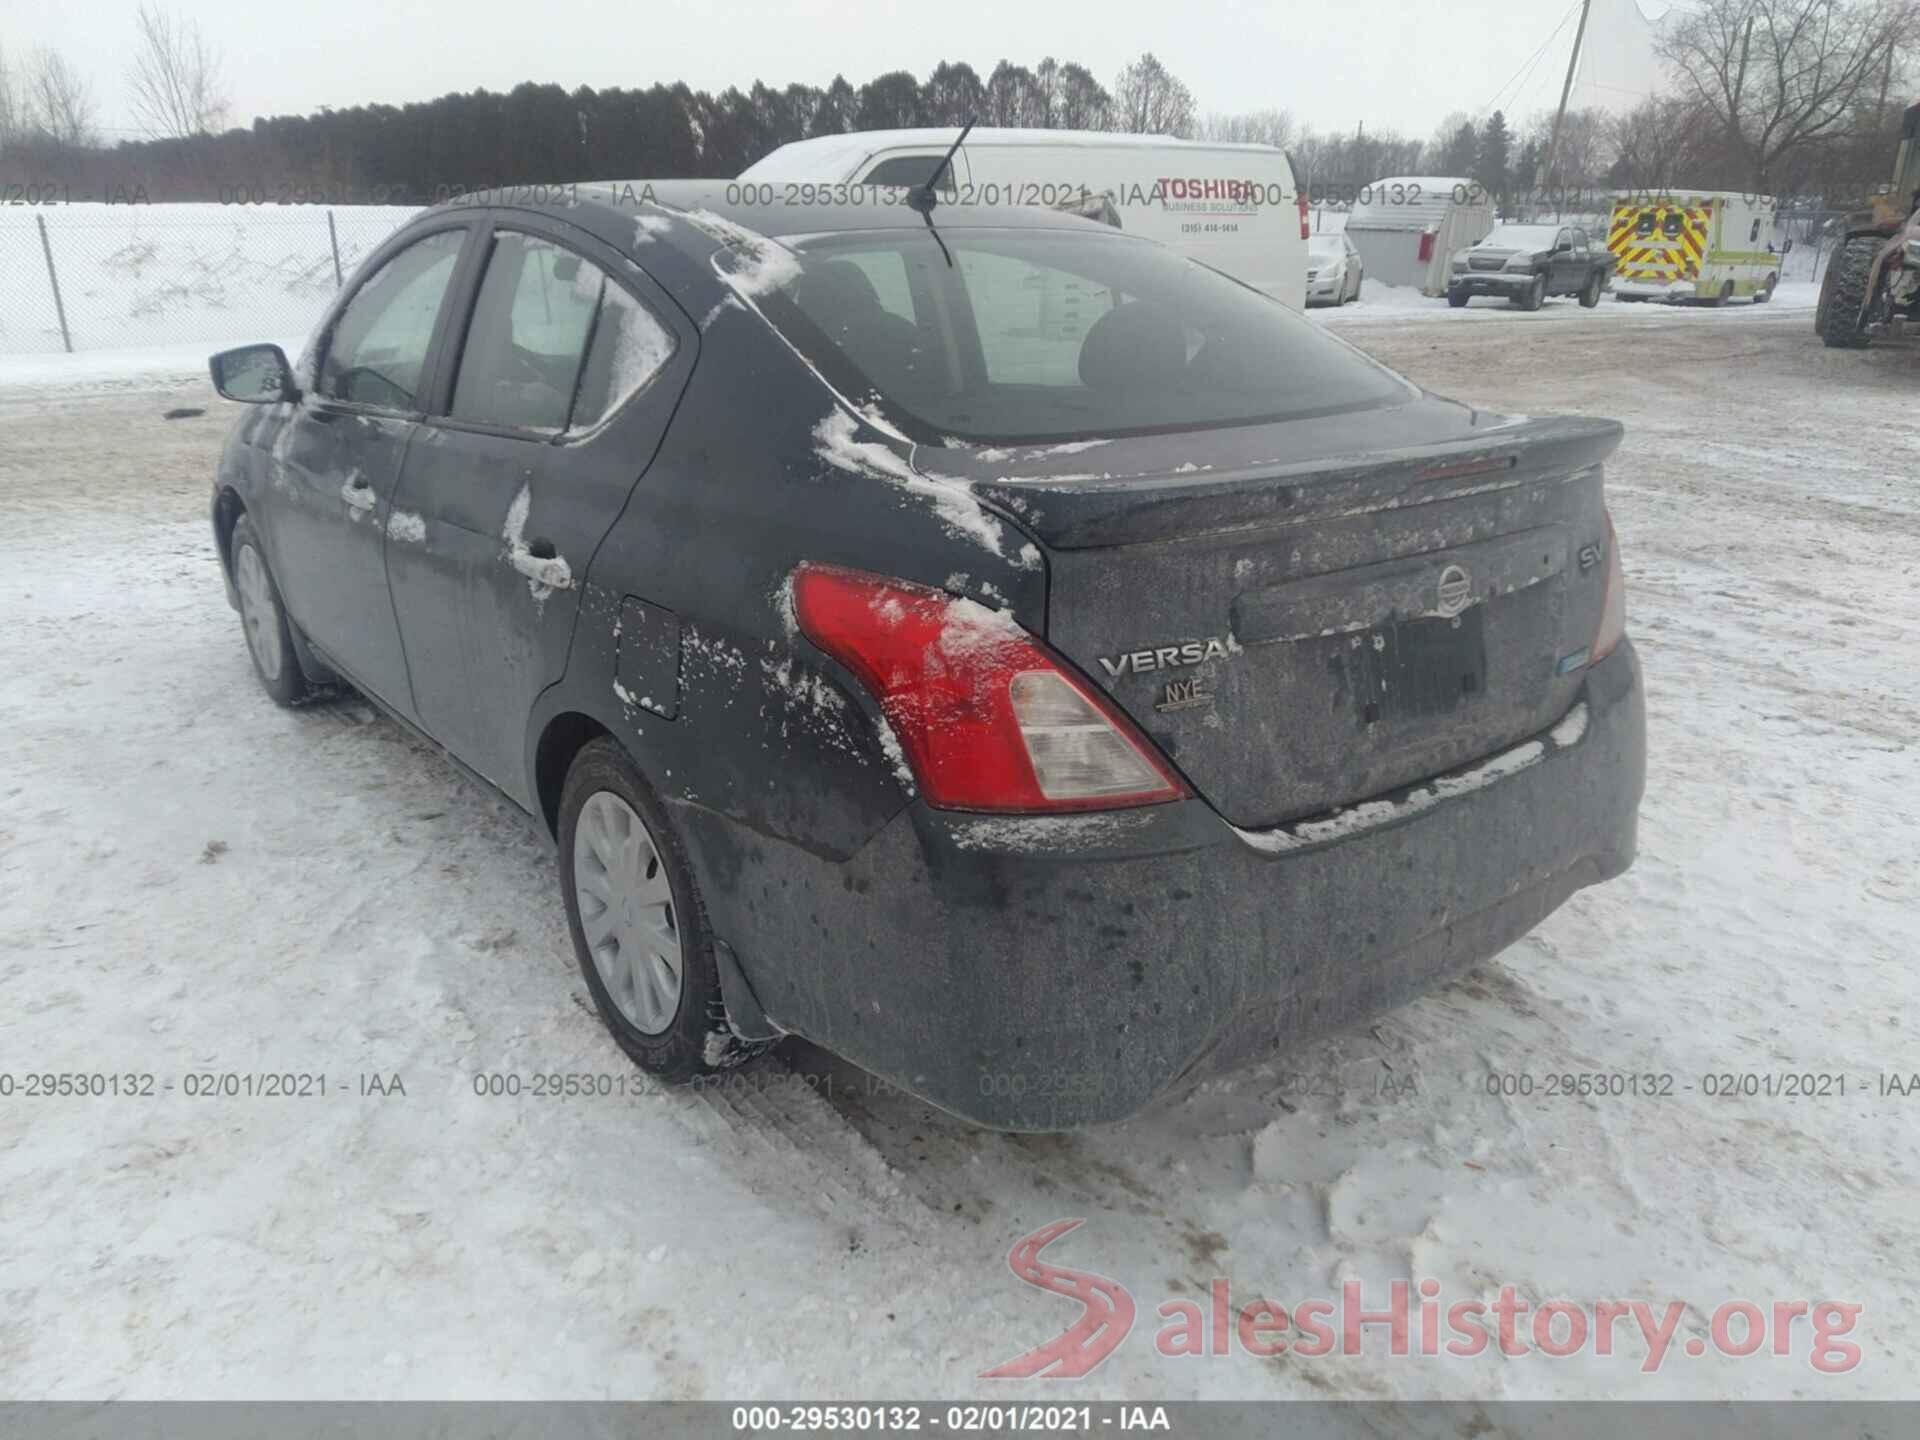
(1456,298)
(1765,292)
(1590,292)
(264,620)
(1726,294)
(1842,304)
(638,923)
(1536,295)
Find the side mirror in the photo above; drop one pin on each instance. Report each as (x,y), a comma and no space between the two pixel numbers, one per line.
(1564,247)
(253,375)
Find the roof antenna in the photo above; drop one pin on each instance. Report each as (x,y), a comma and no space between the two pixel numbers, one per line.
(923,197)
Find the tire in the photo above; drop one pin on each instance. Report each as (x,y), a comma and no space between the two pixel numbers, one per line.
(1590,292)
(1840,306)
(263,620)
(1765,292)
(1535,297)
(1726,294)
(1457,298)
(643,877)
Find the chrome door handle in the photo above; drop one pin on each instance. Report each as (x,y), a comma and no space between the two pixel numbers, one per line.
(359,494)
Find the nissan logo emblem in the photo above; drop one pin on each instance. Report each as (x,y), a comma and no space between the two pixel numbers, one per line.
(1456,589)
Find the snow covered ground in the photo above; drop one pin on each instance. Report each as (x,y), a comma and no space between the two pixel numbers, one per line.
(160,275)
(194,882)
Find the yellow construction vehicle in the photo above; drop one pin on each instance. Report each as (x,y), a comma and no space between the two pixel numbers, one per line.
(1874,276)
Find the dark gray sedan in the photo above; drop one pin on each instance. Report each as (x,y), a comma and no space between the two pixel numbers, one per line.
(1022,660)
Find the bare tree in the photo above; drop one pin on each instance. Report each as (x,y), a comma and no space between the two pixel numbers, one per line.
(10,118)
(56,104)
(1311,156)
(1583,155)
(175,77)
(1658,145)
(1010,95)
(1149,100)
(1256,127)
(1775,76)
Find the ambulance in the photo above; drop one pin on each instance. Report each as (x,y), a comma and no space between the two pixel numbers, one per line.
(1707,245)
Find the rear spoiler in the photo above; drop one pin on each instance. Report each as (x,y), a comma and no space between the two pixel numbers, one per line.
(1163,501)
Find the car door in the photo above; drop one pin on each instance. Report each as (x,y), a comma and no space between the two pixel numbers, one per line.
(337,459)
(559,389)
(1567,265)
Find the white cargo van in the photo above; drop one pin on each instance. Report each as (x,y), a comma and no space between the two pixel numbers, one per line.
(1233,207)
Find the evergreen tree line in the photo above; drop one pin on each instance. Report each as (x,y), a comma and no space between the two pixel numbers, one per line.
(1785,110)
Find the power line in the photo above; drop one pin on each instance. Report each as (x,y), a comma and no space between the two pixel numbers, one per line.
(1526,67)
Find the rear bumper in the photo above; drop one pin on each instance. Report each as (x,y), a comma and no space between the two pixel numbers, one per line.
(1040,974)
(1655,289)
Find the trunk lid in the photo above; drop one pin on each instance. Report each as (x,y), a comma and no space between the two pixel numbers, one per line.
(1302,622)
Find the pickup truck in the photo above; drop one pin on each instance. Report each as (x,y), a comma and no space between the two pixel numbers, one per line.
(1528,263)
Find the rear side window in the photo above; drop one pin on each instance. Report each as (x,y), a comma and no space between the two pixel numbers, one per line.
(629,348)
(378,346)
(553,344)
(1055,334)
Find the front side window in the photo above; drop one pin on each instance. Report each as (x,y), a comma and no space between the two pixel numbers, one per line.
(1040,334)
(528,337)
(1579,238)
(553,344)
(378,347)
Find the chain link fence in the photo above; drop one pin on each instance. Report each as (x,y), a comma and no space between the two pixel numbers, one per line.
(99,277)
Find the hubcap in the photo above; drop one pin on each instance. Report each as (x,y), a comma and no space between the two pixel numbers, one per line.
(626,911)
(257,612)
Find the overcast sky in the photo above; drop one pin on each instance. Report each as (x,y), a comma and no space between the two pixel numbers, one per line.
(1396,63)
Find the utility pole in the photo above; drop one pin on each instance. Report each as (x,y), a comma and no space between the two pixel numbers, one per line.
(1566,89)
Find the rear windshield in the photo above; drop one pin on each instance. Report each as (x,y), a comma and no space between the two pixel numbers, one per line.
(1032,335)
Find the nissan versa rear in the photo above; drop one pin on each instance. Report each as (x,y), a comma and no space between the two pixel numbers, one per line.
(1019,659)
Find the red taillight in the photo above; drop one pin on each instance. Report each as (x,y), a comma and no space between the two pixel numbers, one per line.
(988,716)
(1426,246)
(1613,602)
(1305,234)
